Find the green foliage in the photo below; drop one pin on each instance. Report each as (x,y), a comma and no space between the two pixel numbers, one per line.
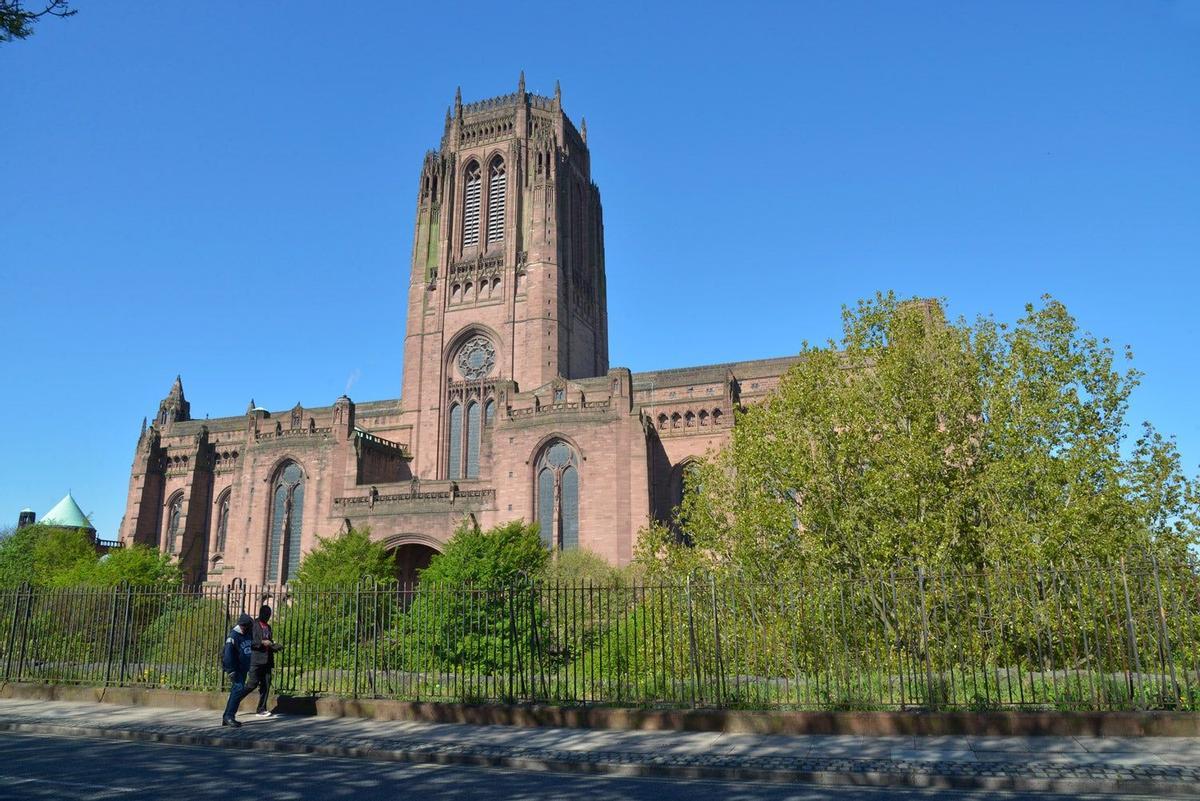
(331,600)
(58,554)
(584,567)
(17,21)
(181,646)
(16,556)
(498,557)
(46,556)
(916,440)
(137,565)
(345,560)
(476,605)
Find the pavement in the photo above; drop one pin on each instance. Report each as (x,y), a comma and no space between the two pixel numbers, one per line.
(1151,766)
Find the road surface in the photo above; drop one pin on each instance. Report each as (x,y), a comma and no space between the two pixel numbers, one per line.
(35,766)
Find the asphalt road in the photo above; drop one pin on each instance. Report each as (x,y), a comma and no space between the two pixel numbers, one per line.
(34,766)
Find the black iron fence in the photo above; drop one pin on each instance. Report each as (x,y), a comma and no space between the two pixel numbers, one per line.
(1089,637)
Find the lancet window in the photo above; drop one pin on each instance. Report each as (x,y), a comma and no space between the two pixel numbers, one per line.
(557,490)
(287,518)
(222,522)
(174,518)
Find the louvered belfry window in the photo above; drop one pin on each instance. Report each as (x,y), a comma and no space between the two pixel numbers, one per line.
(471,207)
(496,184)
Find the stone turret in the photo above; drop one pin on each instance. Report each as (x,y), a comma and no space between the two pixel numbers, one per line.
(174,408)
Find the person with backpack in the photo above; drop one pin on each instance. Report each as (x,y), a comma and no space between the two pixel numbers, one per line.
(235,660)
(262,660)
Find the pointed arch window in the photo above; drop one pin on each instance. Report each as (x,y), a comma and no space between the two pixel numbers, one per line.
(174,519)
(454,462)
(471,206)
(489,412)
(557,487)
(222,522)
(497,181)
(472,437)
(287,519)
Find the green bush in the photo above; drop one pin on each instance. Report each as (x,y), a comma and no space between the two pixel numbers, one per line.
(475,607)
(345,560)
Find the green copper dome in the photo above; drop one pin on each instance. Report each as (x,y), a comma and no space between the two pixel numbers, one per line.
(66,514)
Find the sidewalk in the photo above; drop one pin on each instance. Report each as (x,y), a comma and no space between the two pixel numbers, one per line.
(1159,766)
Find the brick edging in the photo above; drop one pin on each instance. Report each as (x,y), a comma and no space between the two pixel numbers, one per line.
(916,723)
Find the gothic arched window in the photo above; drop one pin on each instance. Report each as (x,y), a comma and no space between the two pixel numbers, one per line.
(174,517)
(472,441)
(222,522)
(287,518)
(557,486)
(489,412)
(497,180)
(471,206)
(454,462)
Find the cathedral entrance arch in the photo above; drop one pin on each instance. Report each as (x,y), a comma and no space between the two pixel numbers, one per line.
(413,554)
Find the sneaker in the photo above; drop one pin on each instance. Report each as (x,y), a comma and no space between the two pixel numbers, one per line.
(231,722)
(265,714)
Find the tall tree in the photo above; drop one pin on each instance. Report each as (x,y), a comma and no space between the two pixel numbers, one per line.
(916,440)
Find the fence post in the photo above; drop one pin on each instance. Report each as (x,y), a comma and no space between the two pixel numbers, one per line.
(930,700)
(692,643)
(12,632)
(357,633)
(514,647)
(535,645)
(720,683)
(112,630)
(24,636)
(125,621)
(1165,635)
(1131,635)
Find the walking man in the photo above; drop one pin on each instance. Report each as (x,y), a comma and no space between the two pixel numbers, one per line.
(235,660)
(262,659)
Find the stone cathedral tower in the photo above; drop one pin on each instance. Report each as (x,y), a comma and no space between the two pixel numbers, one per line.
(509,407)
(507,269)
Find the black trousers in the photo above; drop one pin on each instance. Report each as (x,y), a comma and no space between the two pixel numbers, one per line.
(258,678)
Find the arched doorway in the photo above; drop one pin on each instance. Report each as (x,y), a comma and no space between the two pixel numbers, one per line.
(411,559)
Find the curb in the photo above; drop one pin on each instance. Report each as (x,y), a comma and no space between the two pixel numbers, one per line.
(917,723)
(916,775)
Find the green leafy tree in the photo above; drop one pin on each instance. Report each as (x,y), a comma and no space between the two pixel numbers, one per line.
(59,553)
(16,555)
(17,18)
(476,605)
(345,560)
(496,557)
(48,556)
(341,596)
(920,441)
(136,565)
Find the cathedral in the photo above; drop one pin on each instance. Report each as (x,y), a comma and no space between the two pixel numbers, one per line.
(509,409)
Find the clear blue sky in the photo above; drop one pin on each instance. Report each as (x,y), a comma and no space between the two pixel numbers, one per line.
(226,190)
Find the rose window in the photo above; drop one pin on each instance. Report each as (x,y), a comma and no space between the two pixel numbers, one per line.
(476,358)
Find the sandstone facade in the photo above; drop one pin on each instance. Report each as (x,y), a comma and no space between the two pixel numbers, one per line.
(508,409)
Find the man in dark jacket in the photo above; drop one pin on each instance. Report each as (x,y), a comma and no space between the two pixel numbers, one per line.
(262,660)
(235,659)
